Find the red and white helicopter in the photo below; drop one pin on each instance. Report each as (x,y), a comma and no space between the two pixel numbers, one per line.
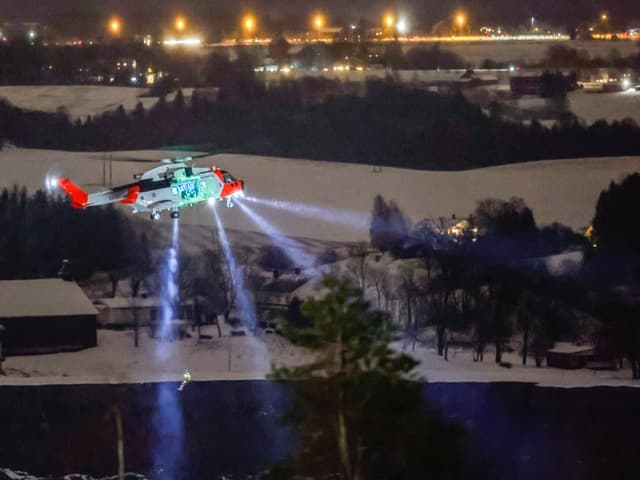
(167,187)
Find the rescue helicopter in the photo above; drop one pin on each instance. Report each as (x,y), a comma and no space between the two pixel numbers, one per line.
(171,187)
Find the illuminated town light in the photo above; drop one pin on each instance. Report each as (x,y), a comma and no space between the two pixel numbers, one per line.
(180,24)
(115,26)
(389,20)
(186,42)
(318,21)
(461,20)
(402,26)
(249,24)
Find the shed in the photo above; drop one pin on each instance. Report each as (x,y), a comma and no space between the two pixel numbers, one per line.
(569,357)
(120,312)
(46,316)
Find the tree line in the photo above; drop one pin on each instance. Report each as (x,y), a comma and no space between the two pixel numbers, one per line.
(388,125)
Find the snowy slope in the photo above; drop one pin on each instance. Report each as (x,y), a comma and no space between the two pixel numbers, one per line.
(78,100)
(557,190)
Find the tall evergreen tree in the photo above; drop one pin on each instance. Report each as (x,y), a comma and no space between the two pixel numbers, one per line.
(359,410)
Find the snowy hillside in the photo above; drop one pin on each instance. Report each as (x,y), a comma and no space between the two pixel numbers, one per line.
(565,191)
(78,100)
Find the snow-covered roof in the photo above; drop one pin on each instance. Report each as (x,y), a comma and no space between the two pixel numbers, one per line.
(47,297)
(138,302)
(565,347)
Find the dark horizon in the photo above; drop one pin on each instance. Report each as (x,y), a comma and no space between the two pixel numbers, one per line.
(506,12)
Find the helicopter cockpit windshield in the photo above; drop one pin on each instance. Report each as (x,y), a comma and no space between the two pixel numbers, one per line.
(228,178)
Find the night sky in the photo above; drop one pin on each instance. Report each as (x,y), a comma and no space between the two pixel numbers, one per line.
(428,12)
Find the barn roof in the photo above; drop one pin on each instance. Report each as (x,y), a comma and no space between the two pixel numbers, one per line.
(129,303)
(47,297)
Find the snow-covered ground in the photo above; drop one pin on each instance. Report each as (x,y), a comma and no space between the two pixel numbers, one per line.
(519,52)
(587,106)
(590,107)
(116,360)
(565,191)
(78,100)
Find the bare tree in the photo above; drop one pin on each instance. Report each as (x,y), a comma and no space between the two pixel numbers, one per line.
(141,268)
(357,265)
(377,276)
(409,289)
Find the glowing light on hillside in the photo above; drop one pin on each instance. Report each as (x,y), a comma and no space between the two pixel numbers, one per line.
(389,20)
(461,19)
(604,17)
(180,24)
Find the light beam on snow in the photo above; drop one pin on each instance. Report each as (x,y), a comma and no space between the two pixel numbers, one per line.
(349,218)
(242,295)
(290,247)
(168,291)
(167,418)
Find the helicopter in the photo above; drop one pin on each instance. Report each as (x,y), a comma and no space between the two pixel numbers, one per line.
(168,187)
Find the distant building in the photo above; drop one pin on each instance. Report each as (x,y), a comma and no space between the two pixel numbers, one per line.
(120,312)
(455,229)
(526,84)
(570,357)
(46,316)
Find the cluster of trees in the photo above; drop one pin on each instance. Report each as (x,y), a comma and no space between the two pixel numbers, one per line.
(391,56)
(568,58)
(486,286)
(480,286)
(389,125)
(25,63)
(39,232)
(561,56)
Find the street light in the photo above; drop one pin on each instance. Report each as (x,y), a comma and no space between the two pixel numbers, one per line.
(460,20)
(604,17)
(318,21)
(115,26)
(181,24)
(249,24)
(389,20)
(402,26)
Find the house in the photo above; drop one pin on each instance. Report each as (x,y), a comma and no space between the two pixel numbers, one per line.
(46,316)
(120,312)
(526,84)
(570,357)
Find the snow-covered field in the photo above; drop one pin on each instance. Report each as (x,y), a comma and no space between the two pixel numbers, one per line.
(116,360)
(587,106)
(532,51)
(78,100)
(565,191)
(590,107)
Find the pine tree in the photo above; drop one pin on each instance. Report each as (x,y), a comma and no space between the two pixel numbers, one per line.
(359,410)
